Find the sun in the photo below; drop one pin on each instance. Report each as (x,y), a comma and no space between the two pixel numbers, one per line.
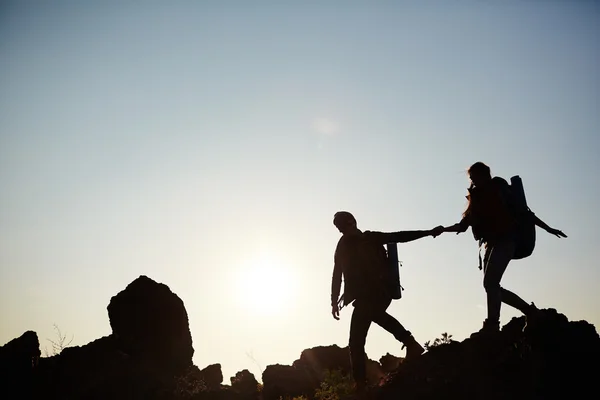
(265,286)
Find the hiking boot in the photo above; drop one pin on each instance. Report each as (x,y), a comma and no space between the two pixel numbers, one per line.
(532,318)
(488,328)
(413,348)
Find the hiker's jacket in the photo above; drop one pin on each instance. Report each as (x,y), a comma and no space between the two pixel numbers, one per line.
(361,259)
(492,211)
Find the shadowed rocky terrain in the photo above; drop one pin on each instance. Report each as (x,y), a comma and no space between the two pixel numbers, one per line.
(149,356)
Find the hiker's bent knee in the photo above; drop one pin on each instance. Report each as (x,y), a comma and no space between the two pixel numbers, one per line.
(491,285)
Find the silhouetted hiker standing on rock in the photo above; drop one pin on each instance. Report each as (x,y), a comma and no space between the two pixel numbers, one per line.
(361,259)
(497,218)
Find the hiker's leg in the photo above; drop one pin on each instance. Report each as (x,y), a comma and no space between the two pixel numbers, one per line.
(388,322)
(359,327)
(500,255)
(393,326)
(515,301)
(496,259)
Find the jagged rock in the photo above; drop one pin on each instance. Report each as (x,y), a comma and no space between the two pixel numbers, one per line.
(552,359)
(150,321)
(18,358)
(306,373)
(22,352)
(100,370)
(245,383)
(190,384)
(389,363)
(212,376)
(286,380)
(148,355)
(318,360)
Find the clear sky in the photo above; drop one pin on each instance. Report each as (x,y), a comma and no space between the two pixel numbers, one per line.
(208,144)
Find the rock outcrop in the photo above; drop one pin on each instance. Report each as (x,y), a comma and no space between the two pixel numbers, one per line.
(285,380)
(305,374)
(245,383)
(389,363)
(18,358)
(150,321)
(101,370)
(555,359)
(212,376)
(148,356)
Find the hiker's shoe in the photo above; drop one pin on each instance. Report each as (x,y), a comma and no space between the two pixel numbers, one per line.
(413,348)
(489,328)
(532,318)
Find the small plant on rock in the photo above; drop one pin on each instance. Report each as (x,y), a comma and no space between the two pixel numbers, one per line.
(334,386)
(59,344)
(445,339)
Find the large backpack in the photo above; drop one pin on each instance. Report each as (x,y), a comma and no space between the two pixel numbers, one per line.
(394,287)
(525,235)
(383,265)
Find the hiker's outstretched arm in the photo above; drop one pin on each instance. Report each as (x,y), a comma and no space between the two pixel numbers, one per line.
(546,227)
(459,227)
(409,236)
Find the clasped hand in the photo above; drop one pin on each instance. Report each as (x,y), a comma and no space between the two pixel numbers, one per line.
(438,230)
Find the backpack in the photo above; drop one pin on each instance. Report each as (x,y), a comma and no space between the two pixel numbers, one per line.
(395,289)
(383,265)
(525,234)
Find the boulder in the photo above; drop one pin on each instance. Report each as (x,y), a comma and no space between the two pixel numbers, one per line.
(552,358)
(305,375)
(18,358)
(245,383)
(320,359)
(286,380)
(389,363)
(212,376)
(150,321)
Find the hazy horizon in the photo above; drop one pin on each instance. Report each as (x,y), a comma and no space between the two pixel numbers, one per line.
(207,145)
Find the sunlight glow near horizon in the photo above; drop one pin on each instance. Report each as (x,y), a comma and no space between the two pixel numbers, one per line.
(208,146)
(265,286)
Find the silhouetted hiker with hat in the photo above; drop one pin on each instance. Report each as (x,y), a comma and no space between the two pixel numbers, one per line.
(360,258)
(505,227)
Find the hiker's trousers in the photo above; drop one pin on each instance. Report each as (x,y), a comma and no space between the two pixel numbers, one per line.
(496,257)
(367,310)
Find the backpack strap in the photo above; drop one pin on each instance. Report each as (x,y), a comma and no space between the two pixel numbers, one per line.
(479,254)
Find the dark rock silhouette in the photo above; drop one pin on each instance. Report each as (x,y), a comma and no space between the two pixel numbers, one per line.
(389,363)
(306,373)
(212,376)
(101,370)
(245,383)
(202,385)
(146,356)
(285,380)
(553,358)
(150,321)
(317,360)
(18,358)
